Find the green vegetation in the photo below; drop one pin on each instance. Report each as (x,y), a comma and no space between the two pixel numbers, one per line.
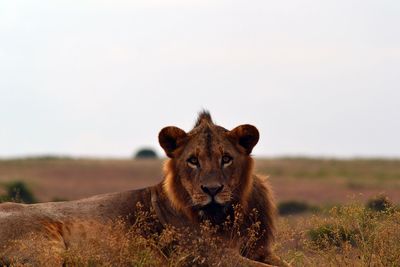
(18,192)
(331,235)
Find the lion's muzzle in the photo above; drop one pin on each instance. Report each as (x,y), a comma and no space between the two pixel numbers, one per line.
(212,190)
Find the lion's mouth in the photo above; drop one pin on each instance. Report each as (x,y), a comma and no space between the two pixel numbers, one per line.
(215,212)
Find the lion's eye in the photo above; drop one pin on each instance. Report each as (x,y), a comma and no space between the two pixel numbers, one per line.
(193,162)
(226,160)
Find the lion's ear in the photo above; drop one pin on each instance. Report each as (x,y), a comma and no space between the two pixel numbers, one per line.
(170,138)
(245,136)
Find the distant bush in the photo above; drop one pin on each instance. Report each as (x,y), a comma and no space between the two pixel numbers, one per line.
(146,153)
(18,192)
(294,207)
(379,203)
(59,199)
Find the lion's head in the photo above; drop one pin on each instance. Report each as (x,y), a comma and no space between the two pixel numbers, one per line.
(209,168)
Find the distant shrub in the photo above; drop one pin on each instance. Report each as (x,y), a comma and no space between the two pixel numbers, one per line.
(379,203)
(294,207)
(59,199)
(18,192)
(146,153)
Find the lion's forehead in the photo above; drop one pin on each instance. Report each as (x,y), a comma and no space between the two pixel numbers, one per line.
(208,141)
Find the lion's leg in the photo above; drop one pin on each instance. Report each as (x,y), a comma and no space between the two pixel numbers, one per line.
(271,258)
(242,261)
(261,252)
(34,250)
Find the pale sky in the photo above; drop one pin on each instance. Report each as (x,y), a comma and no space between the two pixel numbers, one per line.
(101,78)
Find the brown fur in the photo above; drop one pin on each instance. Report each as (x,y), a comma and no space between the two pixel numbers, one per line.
(182,200)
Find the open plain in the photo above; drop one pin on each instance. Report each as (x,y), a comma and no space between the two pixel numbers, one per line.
(337,227)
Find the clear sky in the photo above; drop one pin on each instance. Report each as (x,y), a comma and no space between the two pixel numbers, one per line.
(101,78)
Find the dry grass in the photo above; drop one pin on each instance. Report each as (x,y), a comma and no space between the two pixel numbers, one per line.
(349,235)
(139,245)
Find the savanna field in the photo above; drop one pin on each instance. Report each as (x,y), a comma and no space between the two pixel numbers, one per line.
(332,212)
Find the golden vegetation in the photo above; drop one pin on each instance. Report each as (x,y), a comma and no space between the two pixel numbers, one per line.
(350,235)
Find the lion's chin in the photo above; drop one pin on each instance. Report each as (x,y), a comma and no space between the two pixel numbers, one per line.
(210,201)
(215,212)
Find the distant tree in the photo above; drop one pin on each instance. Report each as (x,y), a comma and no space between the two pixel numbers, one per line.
(146,153)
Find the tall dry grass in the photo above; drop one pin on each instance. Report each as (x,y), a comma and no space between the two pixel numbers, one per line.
(115,244)
(350,235)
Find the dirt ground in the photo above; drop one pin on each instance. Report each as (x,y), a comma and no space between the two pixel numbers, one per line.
(317,181)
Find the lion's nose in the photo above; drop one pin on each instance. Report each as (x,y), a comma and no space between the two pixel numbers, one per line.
(212,190)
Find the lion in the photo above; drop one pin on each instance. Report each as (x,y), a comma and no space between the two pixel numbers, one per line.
(209,171)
